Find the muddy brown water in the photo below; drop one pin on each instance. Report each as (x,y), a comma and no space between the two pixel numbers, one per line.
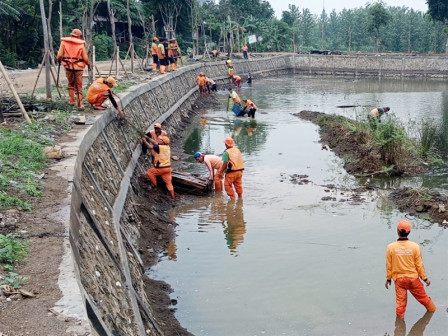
(282,261)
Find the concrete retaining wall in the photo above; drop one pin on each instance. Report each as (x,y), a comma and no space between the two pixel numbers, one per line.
(104,228)
(371,65)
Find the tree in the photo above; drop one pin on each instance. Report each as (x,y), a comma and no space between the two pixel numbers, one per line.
(379,17)
(438,10)
(7,10)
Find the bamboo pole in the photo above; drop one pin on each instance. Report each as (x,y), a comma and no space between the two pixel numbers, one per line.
(14,92)
(38,75)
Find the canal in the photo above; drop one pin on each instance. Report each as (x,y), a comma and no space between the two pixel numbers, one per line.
(295,256)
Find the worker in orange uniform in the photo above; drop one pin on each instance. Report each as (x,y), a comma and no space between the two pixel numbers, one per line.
(213,164)
(215,54)
(232,167)
(155,58)
(237,80)
(404,265)
(250,108)
(99,91)
(155,135)
(162,162)
(231,73)
(173,54)
(245,48)
(202,83)
(162,56)
(211,85)
(73,56)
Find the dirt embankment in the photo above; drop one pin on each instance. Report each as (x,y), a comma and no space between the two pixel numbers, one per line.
(362,157)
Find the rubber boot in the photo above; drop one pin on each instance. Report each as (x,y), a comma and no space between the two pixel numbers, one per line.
(162,69)
(71,94)
(431,307)
(80,105)
(154,66)
(172,194)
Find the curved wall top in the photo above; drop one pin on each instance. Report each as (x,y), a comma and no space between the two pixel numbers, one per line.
(103,225)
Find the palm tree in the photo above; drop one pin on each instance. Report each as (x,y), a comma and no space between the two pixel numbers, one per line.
(7,10)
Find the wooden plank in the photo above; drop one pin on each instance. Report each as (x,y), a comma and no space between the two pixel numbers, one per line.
(190,183)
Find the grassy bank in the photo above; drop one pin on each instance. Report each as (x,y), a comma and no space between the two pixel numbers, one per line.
(21,167)
(378,149)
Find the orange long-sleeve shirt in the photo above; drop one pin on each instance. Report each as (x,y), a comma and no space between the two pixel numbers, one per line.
(403,258)
(212,162)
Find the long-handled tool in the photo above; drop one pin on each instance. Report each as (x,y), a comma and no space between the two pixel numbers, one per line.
(59,70)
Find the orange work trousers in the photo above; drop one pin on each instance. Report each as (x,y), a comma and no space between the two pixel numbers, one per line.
(74,78)
(218,183)
(164,173)
(413,285)
(234,179)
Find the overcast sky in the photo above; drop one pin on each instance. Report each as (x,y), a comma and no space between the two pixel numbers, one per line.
(316,6)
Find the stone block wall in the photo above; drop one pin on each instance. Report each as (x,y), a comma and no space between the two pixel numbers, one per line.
(372,65)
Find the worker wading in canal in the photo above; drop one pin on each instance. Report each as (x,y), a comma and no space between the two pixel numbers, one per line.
(404,265)
(232,167)
(214,165)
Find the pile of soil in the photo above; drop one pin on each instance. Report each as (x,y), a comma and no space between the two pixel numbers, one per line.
(362,157)
(422,202)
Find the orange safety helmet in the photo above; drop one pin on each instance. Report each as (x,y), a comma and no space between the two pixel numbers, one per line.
(229,142)
(164,139)
(76,32)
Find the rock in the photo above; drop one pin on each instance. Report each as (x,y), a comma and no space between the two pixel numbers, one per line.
(52,152)
(26,293)
(419,208)
(80,120)
(15,297)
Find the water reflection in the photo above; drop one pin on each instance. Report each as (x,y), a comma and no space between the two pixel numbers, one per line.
(248,134)
(444,126)
(236,226)
(211,211)
(417,329)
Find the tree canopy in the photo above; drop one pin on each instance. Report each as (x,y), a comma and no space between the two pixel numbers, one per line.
(224,24)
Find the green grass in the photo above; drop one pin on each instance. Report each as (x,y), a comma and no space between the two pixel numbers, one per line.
(21,160)
(12,249)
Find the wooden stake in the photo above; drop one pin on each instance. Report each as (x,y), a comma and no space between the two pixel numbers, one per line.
(14,92)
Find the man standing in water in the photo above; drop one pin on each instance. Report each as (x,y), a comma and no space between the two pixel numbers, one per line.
(213,164)
(404,265)
(376,114)
(232,167)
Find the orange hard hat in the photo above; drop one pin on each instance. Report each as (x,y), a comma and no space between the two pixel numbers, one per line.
(229,142)
(165,139)
(112,81)
(76,32)
(404,225)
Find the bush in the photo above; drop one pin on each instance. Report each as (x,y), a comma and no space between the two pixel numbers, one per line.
(104,47)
